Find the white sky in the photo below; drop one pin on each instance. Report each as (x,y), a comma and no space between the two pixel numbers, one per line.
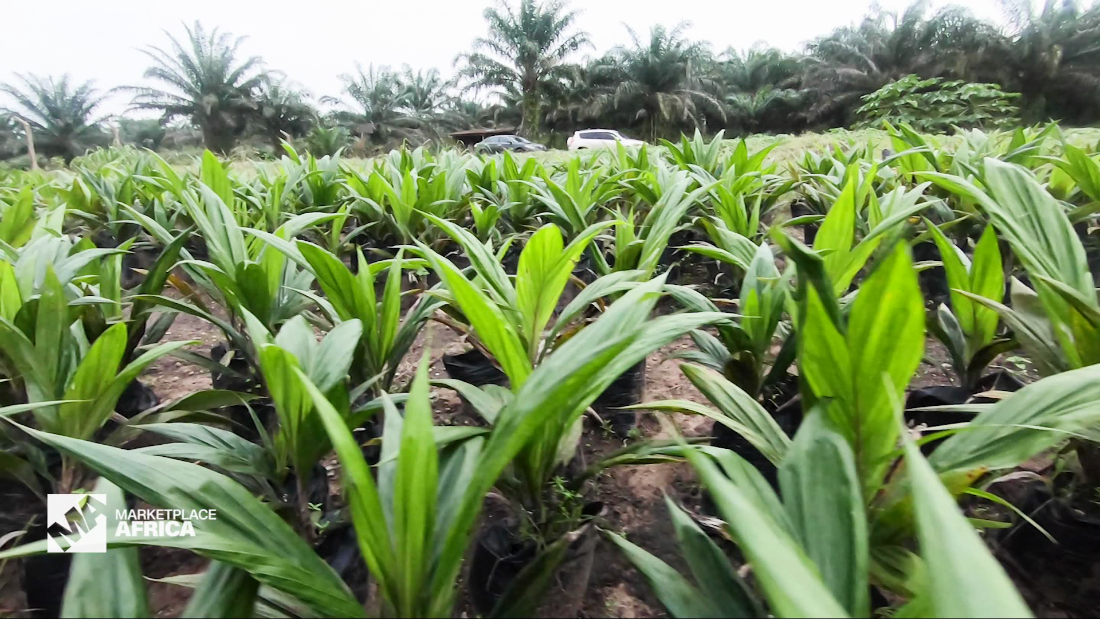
(313,41)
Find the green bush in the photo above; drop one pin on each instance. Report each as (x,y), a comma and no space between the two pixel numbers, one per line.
(935,105)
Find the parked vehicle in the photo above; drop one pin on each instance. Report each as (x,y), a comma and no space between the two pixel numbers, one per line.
(600,138)
(501,143)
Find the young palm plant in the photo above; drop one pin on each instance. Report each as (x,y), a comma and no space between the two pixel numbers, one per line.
(968,328)
(513,323)
(574,200)
(244,274)
(414,515)
(810,547)
(642,247)
(854,366)
(742,351)
(1056,320)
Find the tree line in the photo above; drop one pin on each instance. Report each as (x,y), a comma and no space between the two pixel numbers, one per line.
(530,71)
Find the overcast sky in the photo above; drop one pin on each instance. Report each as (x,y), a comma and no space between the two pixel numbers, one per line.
(314,41)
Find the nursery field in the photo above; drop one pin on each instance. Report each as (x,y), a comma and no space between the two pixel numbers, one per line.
(842,374)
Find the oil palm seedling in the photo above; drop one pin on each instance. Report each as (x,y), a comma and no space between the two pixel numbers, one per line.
(504,182)
(245,275)
(397,195)
(743,351)
(1078,178)
(968,329)
(742,191)
(512,323)
(1057,326)
(853,368)
(352,296)
(642,246)
(782,539)
(323,139)
(1055,320)
(69,365)
(697,153)
(574,200)
(420,497)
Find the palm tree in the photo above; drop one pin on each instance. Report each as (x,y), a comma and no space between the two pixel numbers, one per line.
(658,82)
(571,99)
(60,114)
(766,109)
(761,88)
(426,93)
(427,98)
(1055,60)
(283,110)
(758,67)
(205,83)
(525,51)
(853,61)
(10,145)
(377,108)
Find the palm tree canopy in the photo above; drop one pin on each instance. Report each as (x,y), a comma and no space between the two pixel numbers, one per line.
(526,50)
(757,68)
(853,61)
(61,114)
(283,109)
(426,93)
(377,105)
(203,80)
(1055,59)
(658,81)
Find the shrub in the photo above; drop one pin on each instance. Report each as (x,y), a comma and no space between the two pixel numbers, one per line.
(935,105)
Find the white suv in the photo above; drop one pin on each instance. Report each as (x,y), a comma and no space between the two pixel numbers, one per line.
(599,138)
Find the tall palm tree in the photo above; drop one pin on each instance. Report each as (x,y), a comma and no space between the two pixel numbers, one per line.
(61,115)
(1055,59)
(761,88)
(853,61)
(283,110)
(427,99)
(204,82)
(758,67)
(377,106)
(525,51)
(765,109)
(426,93)
(571,99)
(658,82)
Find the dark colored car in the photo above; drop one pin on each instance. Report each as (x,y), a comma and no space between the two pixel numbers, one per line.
(501,143)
